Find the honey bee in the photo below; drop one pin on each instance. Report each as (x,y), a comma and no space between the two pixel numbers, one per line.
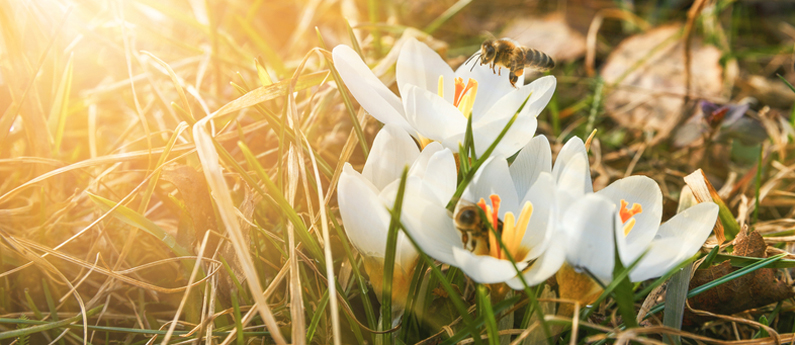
(468,219)
(505,52)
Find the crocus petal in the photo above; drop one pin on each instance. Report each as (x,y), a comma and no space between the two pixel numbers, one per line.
(433,230)
(486,132)
(364,215)
(436,166)
(420,66)
(588,225)
(544,267)
(541,227)
(573,148)
(677,239)
(657,261)
(420,212)
(431,115)
(541,90)
(368,90)
(530,98)
(570,177)
(690,227)
(392,150)
(484,269)
(493,178)
(535,158)
(646,192)
(492,85)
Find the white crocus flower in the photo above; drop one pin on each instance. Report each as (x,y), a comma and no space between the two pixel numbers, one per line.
(527,215)
(435,102)
(627,213)
(364,200)
(638,203)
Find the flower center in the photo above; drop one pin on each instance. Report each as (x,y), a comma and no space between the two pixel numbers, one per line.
(628,215)
(464,97)
(511,230)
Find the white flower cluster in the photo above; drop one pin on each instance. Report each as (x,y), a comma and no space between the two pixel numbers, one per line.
(547,214)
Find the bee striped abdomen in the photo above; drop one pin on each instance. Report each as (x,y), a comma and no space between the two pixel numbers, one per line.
(538,60)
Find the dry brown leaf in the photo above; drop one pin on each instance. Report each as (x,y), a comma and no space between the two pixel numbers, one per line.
(648,70)
(550,34)
(704,192)
(752,290)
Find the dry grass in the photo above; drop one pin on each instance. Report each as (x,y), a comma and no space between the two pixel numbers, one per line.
(168,169)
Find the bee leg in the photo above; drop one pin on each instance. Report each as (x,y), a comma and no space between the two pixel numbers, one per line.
(513,79)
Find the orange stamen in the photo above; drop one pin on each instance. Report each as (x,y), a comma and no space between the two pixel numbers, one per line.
(495,205)
(627,213)
(461,89)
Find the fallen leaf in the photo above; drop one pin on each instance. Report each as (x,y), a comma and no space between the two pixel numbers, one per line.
(648,70)
(550,34)
(753,290)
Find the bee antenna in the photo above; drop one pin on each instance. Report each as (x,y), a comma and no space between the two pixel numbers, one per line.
(471,57)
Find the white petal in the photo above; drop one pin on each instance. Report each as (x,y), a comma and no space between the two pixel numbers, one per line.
(431,226)
(542,90)
(364,216)
(573,148)
(588,225)
(441,172)
(691,228)
(420,66)
(493,178)
(368,90)
(482,268)
(544,267)
(420,165)
(535,157)
(659,259)
(541,227)
(678,239)
(485,132)
(573,178)
(531,99)
(491,86)
(392,150)
(431,115)
(644,191)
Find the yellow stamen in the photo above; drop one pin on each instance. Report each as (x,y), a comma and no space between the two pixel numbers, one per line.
(440,86)
(627,213)
(629,225)
(521,226)
(508,234)
(468,99)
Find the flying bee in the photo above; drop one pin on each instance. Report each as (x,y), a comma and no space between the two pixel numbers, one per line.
(469,220)
(505,52)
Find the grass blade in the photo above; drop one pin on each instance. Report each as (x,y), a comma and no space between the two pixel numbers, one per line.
(446,15)
(389,258)
(60,106)
(212,171)
(135,219)
(485,311)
